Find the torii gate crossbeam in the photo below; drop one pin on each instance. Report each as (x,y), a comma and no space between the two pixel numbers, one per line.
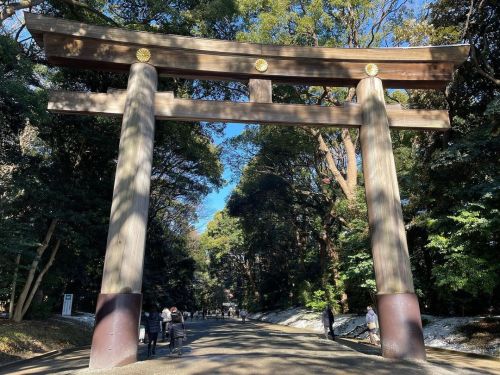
(145,55)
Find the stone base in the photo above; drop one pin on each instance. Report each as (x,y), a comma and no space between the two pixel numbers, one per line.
(116,332)
(400,326)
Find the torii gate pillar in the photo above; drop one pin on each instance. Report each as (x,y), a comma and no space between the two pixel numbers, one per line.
(399,312)
(115,338)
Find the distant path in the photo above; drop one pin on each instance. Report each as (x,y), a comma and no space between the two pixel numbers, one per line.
(230,347)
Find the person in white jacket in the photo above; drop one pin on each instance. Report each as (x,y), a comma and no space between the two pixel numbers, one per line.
(166,317)
(372,324)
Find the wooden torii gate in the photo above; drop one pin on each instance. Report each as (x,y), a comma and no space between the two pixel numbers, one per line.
(145,55)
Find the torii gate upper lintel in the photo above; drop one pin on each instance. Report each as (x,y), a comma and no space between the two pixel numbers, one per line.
(145,55)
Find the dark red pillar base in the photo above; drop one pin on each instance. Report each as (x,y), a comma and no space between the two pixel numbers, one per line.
(400,326)
(116,332)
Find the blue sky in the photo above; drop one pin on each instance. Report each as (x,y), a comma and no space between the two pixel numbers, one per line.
(216,200)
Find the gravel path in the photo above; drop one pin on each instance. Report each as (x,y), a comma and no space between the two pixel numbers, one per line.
(230,347)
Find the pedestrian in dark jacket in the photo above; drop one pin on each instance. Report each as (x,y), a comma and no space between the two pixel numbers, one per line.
(177,331)
(328,320)
(153,327)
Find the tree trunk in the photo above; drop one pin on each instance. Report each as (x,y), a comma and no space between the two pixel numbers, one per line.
(14,284)
(18,313)
(322,239)
(352,167)
(332,166)
(333,253)
(301,251)
(40,277)
(253,287)
(347,183)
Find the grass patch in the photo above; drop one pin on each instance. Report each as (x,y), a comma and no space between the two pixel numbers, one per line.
(32,337)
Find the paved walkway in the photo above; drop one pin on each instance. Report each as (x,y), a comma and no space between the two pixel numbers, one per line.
(230,347)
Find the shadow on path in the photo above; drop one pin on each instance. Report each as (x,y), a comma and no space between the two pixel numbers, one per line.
(230,347)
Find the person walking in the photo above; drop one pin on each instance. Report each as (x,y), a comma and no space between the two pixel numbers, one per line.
(165,324)
(153,327)
(372,324)
(243,314)
(328,319)
(177,331)
(142,327)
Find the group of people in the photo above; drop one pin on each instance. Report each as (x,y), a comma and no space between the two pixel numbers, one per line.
(170,323)
(217,314)
(371,322)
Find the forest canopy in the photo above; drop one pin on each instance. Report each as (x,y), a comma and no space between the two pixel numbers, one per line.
(294,230)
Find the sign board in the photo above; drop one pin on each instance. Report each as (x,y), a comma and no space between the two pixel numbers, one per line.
(67,302)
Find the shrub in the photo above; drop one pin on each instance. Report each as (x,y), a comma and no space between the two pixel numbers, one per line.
(318,301)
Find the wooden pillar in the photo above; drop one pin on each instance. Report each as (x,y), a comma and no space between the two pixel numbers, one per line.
(115,336)
(261,90)
(399,313)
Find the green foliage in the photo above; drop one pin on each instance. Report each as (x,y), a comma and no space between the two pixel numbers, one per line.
(286,237)
(223,246)
(322,298)
(318,301)
(63,167)
(471,273)
(452,183)
(318,23)
(40,310)
(304,292)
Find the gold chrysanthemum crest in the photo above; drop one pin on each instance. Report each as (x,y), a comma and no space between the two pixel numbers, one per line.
(371,69)
(261,65)
(143,55)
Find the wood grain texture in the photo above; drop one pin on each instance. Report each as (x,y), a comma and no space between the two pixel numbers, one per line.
(387,233)
(418,119)
(79,45)
(168,107)
(261,90)
(95,54)
(123,263)
(38,25)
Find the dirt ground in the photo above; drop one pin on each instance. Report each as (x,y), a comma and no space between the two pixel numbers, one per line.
(230,347)
(34,337)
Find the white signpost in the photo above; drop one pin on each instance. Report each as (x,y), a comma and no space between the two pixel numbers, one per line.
(68,301)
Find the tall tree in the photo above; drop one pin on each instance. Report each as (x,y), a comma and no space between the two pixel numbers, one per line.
(452,183)
(62,167)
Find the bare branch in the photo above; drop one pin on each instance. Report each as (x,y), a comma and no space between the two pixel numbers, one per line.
(467,21)
(10,9)
(18,33)
(480,70)
(391,8)
(90,9)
